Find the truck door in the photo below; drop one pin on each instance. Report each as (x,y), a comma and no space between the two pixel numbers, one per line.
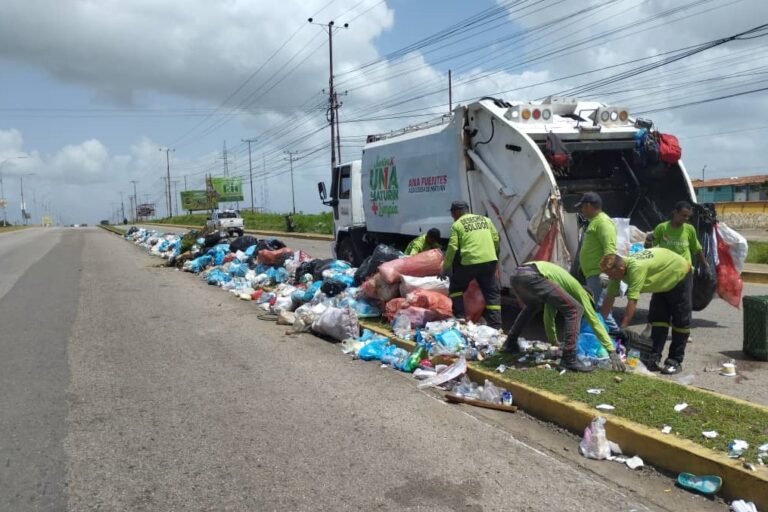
(342,212)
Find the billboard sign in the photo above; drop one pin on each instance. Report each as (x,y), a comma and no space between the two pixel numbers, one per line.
(193,200)
(228,189)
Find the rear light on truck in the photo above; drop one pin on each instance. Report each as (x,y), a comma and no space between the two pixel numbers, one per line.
(536,113)
(526,114)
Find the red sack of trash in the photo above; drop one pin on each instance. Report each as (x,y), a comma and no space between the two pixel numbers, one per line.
(375,288)
(255,295)
(669,149)
(474,302)
(547,245)
(729,283)
(419,316)
(278,257)
(229,257)
(427,263)
(393,307)
(431,300)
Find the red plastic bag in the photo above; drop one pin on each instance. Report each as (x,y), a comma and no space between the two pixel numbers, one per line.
(474,302)
(255,295)
(393,307)
(729,283)
(669,149)
(278,257)
(434,301)
(427,263)
(547,245)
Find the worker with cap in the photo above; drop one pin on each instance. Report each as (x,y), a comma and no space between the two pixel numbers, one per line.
(664,274)
(476,240)
(541,283)
(425,242)
(599,240)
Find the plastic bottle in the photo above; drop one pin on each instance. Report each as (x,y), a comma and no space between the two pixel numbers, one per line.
(633,357)
(419,353)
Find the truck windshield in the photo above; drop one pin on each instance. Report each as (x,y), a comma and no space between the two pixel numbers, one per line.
(227,215)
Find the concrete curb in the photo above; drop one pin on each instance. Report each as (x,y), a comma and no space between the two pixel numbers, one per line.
(667,452)
(304,236)
(754,277)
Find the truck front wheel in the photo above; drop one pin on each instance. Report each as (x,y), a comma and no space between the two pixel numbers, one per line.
(345,251)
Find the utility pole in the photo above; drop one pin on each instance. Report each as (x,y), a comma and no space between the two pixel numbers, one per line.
(224,157)
(264,189)
(250,169)
(333,105)
(24,214)
(450,93)
(702,172)
(176,196)
(135,200)
(292,159)
(168,178)
(122,207)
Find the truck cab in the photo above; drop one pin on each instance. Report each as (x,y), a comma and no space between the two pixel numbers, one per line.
(226,222)
(346,200)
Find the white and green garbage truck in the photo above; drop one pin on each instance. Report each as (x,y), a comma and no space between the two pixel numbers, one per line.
(522,164)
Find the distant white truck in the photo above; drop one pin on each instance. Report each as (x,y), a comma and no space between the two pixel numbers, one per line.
(494,155)
(226,222)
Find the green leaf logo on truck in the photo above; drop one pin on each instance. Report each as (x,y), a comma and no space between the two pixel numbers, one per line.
(383,187)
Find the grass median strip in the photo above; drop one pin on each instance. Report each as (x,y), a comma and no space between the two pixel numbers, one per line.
(321,223)
(650,401)
(113,229)
(6,229)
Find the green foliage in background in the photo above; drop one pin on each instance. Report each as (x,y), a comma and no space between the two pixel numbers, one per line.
(303,223)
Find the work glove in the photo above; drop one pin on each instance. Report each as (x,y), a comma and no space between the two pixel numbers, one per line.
(617,364)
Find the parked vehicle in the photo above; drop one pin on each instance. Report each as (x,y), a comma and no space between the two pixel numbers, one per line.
(226,222)
(522,164)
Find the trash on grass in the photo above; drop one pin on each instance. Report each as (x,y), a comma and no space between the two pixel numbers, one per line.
(666,429)
(681,407)
(709,434)
(594,391)
(605,407)
(736,448)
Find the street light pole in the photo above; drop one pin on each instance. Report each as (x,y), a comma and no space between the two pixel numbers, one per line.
(3,199)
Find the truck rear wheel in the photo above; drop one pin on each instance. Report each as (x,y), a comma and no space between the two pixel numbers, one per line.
(345,251)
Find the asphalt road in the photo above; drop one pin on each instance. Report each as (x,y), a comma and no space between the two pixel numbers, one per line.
(127,386)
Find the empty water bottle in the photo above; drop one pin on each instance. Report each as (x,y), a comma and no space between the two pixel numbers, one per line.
(633,357)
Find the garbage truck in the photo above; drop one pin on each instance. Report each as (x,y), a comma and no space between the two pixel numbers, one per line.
(523,164)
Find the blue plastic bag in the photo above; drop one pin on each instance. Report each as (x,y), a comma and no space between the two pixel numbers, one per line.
(200,263)
(588,345)
(218,276)
(250,250)
(373,350)
(451,339)
(394,356)
(237,269)
(365,309)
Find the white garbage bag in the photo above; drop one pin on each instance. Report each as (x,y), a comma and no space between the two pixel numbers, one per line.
(409,284)
(337,323)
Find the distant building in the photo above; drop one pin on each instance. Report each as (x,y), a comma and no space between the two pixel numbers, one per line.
(723,190)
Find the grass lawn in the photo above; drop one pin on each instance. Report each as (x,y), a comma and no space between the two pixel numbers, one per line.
(5,229)
(650,401)
(304,223)
(758,252)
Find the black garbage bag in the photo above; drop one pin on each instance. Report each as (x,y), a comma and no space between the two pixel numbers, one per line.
(241,243)
(305,267)
(211,240)
(704,281)
(332,288)
(381,254)
(320,267)
(131,230)
(269,244)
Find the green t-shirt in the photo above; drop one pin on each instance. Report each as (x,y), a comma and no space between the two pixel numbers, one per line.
(572,287)
(599,240)
(654,270)
(419,244)
(476,238)
(681,240)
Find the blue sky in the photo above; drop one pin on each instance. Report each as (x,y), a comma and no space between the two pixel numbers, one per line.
(91,91)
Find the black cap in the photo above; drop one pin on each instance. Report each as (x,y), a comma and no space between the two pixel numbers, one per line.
(592,198)
(458,206)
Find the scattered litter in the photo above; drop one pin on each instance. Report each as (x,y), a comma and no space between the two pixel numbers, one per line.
(681,407)
(709,434)
(615,448)
(594,391)
(742,506)
(522,359)
(594,444)
(635,462)
(562,372)
(605,407)
(421,373)
(728,369)
(501,368)
(749,466)
(736,448)
(705,484)
(666,429)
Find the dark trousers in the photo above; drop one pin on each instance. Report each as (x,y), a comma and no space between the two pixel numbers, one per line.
(672,309)
(485,275)
(533,292)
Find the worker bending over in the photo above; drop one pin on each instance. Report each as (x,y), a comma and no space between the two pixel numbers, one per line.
(665,275)
(425,242)
(477,241)
(540,283)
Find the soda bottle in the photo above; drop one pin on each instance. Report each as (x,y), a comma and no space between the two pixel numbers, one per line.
(633,357)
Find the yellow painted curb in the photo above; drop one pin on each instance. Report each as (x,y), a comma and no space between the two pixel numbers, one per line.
(668,452)
(305,236)
(754,277)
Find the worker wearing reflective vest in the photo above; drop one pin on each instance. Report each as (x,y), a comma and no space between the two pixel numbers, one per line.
(427,241)
(476,240)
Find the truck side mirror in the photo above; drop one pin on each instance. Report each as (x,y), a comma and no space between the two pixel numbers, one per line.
(321,190)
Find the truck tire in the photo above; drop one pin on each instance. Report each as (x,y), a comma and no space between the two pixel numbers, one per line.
(346,251)
(239,232)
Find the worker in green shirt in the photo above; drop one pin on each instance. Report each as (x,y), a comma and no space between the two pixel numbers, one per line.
(598,240)
(680,237)
(540,283)
(476,240)
(664,274)
(425,242)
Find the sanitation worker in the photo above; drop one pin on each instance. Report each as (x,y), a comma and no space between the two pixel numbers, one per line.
(425,242)
(599,240)
(666,275)
(679,236)
(541,283)
(476,240)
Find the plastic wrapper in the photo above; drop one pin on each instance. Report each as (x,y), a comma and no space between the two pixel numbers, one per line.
(736,243)
(431,283)
(431,300)
(594,444)
(381,254)
(337,323)
(474,302)
(729,283)
(276,257)
(446,374)
(427,263)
